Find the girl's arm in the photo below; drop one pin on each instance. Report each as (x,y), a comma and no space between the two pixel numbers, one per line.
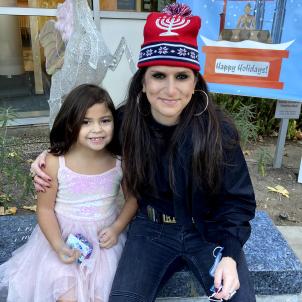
(108,237)
(46,216)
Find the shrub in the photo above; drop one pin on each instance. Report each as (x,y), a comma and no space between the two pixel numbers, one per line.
(262,114)
(243,116)
(15,181)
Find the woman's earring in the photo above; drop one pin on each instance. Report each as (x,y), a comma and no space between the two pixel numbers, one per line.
(207,102)
(138,98)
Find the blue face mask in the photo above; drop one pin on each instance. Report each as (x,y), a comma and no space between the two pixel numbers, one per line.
(217,254)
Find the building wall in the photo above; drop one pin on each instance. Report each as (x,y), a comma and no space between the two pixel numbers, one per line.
(113,29)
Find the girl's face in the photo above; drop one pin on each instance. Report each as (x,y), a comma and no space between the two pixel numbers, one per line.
(168,90)
(97,129)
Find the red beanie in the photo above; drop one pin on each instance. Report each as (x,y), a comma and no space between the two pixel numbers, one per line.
(170,38)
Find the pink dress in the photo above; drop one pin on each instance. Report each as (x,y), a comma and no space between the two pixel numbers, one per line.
(85,204)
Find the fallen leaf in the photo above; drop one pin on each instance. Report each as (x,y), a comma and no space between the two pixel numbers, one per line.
(299,134)
(247,152)
(30,208)
(8,211)
(279,189)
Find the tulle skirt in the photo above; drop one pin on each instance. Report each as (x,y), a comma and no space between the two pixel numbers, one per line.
(36,274)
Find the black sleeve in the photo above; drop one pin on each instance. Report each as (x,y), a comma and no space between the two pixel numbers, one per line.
(236,203)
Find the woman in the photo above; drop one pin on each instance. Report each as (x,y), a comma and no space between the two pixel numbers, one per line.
(183,162)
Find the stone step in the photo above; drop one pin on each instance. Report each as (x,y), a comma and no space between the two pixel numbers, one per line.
(275,269)
(271,298)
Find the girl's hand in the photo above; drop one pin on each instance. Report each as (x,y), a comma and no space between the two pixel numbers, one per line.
(226,274)
(68,255)
(108,237)
(41,180)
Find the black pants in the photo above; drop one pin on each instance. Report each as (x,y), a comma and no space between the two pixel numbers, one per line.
(150,251)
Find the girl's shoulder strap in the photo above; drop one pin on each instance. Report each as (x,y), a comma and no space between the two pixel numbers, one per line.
(118,162)
(61,161)
(118,165)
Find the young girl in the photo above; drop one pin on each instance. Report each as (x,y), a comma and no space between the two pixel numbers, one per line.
(81,199)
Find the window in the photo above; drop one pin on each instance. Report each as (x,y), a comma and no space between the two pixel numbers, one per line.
(134,5)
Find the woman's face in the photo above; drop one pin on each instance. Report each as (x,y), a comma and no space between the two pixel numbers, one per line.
(168,90)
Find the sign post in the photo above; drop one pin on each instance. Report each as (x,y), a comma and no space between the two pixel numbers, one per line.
(300,173)
(284,110)
(280,143)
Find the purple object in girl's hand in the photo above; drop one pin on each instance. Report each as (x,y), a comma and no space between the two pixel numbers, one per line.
(80,243)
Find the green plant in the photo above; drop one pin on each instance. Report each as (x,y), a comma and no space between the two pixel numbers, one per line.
(243,115)
(243,119)
(263,158)
(291,129)
(15,181)
(263,109)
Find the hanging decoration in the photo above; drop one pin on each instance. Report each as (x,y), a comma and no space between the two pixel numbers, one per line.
(76,52)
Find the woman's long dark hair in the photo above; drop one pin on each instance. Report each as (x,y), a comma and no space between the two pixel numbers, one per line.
(68,122)
(206,136)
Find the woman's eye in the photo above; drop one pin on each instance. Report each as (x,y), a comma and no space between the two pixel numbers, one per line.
(85,122)
(181,76)
(106,121)
(158,75)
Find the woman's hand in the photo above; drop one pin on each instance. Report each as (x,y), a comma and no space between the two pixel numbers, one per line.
(227,276)
(41,179)
(108,237)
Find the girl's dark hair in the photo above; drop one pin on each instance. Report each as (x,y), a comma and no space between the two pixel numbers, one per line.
(207,139)
(68,122)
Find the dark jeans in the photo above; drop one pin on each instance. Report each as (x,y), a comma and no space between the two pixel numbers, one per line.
(152,249)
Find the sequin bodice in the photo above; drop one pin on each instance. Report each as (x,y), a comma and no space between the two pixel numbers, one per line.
(87,197)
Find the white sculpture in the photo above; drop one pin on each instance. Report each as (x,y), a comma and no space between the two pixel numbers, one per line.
(86,57)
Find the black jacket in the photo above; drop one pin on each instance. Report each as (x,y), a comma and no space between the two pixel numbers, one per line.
(222,218)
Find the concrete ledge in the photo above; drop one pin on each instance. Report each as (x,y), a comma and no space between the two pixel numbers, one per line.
(14,232)
(274,267)
(272,298)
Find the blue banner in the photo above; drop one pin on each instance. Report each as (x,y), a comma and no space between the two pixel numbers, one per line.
(251,48)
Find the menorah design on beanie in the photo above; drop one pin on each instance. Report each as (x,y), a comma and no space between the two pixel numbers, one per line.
(171,23)
(170,38)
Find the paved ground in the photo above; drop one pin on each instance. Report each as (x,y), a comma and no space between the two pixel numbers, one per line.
(293,235)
